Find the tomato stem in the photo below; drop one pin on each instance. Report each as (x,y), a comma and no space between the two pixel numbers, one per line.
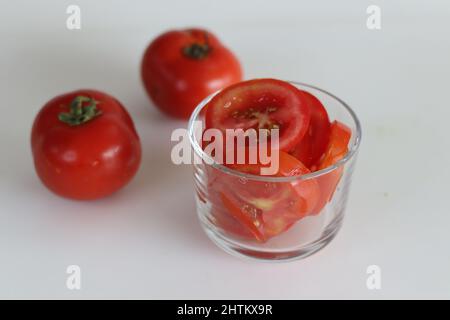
(80,114)
(197,50)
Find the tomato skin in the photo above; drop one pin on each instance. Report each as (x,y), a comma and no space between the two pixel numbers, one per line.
(261,104)
(337,148)
(313,144)
(177,82)
(90,160)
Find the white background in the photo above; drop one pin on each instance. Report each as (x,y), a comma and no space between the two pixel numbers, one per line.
(145,241)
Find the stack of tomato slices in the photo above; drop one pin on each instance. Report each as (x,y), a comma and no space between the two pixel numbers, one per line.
(308,141)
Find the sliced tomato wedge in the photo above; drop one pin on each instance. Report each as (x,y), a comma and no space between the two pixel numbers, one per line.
(216,184)
(262,191)
(249,216)
(261,104)
(313,144)
(267,209)
(263,223)
(337,148)
(229,224)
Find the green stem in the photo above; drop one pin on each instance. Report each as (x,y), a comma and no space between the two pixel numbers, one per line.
(80,114)
(197,50)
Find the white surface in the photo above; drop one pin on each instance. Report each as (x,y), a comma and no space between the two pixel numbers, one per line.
(145,241)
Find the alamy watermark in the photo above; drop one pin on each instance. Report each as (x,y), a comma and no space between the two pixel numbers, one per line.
(231,146)
(374,19)
(73,21)
(373,281)
(73,281)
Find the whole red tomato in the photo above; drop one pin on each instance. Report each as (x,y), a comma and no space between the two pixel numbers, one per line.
(85,145)
(182,67)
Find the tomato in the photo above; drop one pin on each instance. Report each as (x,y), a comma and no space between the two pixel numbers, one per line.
(315,141)
(267,209)
(218,214)
(182,67)
(261,104)
(337,148)
(262,193)
(249,216)
(228,223)
(85,145)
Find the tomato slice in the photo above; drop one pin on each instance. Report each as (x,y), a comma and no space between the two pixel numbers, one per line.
(249,216)
(228,223)
(337,148)
(220,214)
(267,209)
(262,191)
(261,104)
(264,219)
(314,143)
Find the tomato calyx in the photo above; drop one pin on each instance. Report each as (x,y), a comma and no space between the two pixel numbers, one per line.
(78,113)
(198,50)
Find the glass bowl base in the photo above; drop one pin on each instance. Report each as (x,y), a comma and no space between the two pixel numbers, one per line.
(249,253)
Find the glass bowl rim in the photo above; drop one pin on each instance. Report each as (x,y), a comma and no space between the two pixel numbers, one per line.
(349,155)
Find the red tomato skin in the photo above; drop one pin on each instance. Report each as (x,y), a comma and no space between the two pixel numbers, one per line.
(315,141)
(177,83)
(88,161)
(337,148)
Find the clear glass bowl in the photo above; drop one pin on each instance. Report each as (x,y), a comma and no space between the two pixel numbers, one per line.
(302,237)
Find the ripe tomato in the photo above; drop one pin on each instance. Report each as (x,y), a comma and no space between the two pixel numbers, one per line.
(337,148)
(85,145)
(313,145)
(261,104)
(266,209)
(182,67)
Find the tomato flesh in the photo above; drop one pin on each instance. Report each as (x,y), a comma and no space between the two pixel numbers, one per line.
(249,216)
(261,104)
(266,209)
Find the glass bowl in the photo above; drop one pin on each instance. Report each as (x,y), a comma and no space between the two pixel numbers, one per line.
(300,237)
